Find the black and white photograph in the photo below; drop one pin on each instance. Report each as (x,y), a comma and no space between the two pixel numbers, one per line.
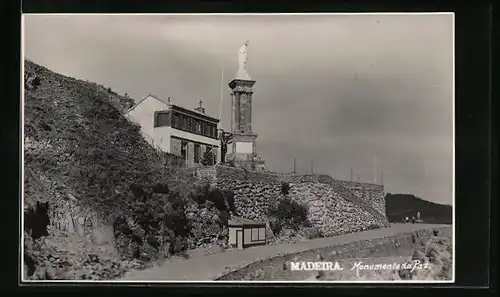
(229,148)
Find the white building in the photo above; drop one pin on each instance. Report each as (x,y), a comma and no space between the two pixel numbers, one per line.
(177,130)
(245,233)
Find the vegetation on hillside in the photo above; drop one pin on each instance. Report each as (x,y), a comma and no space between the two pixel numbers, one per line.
(287,213)
(163,222)
(209,158)
(399,206)
(78,146)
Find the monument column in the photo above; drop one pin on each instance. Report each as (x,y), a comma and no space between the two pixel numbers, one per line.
(243,138)
(233,112)
(243,141)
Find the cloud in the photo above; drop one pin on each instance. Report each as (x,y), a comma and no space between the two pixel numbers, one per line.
(333,88)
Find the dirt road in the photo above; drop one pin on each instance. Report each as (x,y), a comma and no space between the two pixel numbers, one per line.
(207,267)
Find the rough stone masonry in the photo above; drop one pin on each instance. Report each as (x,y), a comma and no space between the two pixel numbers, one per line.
(335,207)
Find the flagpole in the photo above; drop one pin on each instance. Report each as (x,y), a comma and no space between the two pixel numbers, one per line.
(219,125)
(221,96)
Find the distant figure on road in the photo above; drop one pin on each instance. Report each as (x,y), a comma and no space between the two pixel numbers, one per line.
(419,220)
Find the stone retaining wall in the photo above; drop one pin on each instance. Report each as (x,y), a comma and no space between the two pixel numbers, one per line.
(329,211)
(370,193)
(335,207)
(251,197)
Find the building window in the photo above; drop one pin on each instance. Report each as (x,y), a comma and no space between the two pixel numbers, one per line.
(212,131)
(197,151)
(162,119)
(188,124)
(206,130)
(184,123)
(184,150)
(255,234)
(193,126)
(198,127)
(176,121)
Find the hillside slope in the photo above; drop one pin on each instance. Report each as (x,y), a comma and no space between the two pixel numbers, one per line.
(95,192)
(76,138)
(399,206)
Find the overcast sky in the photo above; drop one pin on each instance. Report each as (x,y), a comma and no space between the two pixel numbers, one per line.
(330,88)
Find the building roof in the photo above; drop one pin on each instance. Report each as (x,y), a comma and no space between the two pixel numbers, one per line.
(239,221)
(146,97)
(194,113)
(174,106)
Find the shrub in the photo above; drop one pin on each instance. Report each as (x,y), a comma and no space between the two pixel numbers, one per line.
(177,222)
(208,158)
(199,193)
(289,213)
(315,233)
(223,200)
(373,227)
(230,200)
(216,196)
(161,188)
(285,188)
(178,245)
(153,223)
(276,226)
(223,219)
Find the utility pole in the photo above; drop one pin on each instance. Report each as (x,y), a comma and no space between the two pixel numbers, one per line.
(382,178)
(294,165)
(312,166)
(351,173)
(358,177)
(220,131)
(221,94)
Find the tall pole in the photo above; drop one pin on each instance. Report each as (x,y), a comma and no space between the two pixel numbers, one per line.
(312,166)
(221,94)
(351,173)
(374,169)
(358,177)
(382,178)
(220,130)
(294,165)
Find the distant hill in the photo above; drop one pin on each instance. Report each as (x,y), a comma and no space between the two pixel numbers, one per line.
(399,206)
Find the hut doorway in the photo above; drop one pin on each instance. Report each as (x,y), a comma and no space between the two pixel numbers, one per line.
(239,239)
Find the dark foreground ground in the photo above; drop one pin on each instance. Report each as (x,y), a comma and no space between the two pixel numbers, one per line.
(210,267)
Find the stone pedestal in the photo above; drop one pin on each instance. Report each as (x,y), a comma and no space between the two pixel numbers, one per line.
(243,146)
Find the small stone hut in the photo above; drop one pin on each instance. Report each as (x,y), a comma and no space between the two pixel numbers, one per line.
(245,233)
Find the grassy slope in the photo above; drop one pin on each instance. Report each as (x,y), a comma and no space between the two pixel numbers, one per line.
(399,206)
(75,136)
(78,144)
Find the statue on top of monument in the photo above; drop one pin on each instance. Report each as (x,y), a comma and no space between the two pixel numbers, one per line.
(243,56)
(242,62)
